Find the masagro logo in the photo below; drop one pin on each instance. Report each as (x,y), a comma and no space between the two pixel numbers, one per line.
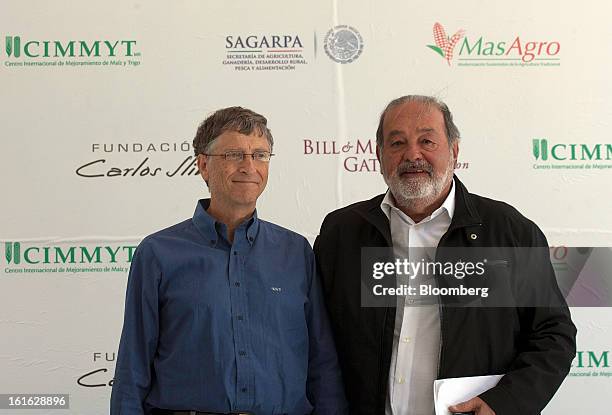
(551,155)
(21,52)
(592,363)
(479,50)
(26,257)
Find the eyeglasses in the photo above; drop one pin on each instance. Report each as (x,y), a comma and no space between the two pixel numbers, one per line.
(237,155)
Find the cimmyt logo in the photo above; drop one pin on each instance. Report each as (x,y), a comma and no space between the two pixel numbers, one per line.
(550,155)
(23,51)
(343,44)
(23,257)
(592,364)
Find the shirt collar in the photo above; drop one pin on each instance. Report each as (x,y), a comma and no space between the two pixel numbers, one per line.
(207,225)
(388,204)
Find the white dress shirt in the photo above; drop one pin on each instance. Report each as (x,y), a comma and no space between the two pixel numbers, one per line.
(416,337)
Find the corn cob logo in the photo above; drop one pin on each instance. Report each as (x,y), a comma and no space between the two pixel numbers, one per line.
(12,46)
(12,252)
(444,45)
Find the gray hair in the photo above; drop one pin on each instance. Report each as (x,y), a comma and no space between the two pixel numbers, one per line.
(452,132)
(238,119)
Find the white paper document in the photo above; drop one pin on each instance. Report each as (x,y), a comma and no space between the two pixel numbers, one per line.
(452,391)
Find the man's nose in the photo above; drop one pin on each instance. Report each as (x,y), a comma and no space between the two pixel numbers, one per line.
(247,164)
(412,152)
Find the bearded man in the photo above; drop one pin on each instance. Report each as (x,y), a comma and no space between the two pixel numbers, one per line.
(390,356)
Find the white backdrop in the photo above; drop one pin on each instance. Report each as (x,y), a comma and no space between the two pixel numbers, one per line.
(92,89)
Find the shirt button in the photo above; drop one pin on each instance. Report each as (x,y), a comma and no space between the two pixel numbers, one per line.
(406,339)
(235,253)
(239,318)
(400,380)
(242,353)
(237,284)
(244,389)
(251,238)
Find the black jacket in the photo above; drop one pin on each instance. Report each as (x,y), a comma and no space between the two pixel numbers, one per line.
(533,346)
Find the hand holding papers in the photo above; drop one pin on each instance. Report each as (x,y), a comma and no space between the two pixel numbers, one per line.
(449,392)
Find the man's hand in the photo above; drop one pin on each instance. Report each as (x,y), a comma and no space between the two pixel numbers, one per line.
(476,405)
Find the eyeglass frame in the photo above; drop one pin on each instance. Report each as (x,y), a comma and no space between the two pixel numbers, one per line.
(242,153)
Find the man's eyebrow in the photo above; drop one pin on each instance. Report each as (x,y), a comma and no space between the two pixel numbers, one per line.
(395,133)
(244,150)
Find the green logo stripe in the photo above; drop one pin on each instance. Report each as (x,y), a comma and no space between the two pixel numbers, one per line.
(8,251)
(12,252)
(540,148)
(536,148)
(13,46)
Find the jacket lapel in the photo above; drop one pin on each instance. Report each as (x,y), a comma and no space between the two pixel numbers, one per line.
(373,214)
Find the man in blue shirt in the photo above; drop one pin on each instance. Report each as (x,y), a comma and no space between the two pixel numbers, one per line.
(223,312)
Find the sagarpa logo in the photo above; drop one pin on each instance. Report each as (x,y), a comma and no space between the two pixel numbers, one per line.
(444,45)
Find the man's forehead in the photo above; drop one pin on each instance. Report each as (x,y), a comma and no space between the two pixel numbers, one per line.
(413,116)
(235,137)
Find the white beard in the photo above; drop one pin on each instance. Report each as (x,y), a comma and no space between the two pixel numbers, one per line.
(418,191)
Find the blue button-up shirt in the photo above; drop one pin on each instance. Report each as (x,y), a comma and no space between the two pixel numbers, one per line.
(225,327)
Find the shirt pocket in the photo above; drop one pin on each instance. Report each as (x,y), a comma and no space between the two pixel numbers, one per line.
(285,332)
(286,308)
(499,280)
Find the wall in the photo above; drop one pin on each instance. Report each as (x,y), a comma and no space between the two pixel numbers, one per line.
(100,101)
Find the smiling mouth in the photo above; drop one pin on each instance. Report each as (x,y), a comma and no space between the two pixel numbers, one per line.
(413,172)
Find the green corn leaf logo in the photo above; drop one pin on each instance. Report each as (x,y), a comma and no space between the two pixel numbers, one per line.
(12,252)
(540,148)
(13,46)
(445,45)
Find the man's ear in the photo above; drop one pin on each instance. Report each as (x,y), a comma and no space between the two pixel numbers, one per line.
(379,158)
(203,166)
(455,149)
